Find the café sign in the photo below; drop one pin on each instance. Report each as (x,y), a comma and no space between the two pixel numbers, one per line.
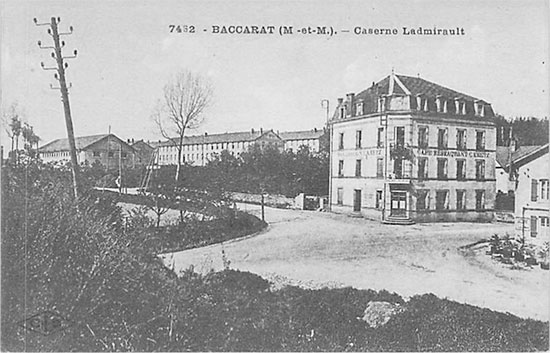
(447,153)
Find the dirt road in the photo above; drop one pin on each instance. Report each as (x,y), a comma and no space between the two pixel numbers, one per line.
(322,249)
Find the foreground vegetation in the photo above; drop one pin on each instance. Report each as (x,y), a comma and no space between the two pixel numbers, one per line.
(83,261)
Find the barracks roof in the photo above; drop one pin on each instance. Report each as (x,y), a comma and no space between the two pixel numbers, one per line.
(246,136)
(81,143)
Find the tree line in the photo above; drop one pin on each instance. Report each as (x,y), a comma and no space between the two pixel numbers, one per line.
(259,170)
(525,131)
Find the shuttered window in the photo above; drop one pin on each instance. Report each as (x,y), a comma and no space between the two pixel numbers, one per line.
(533,226)
(534,189)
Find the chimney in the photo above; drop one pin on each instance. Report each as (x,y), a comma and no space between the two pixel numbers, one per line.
(340,101)
(252,130)
(261,130)
(132,140)
(315,129)
(206,134)
(350,97)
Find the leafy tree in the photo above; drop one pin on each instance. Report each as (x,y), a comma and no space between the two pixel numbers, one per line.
(12,120)
(524,130)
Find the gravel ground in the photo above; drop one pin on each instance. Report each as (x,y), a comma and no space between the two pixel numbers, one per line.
(315,250)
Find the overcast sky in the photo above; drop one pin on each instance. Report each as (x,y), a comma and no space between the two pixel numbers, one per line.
(126,55)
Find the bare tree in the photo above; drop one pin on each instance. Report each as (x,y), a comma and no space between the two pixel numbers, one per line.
(184,100)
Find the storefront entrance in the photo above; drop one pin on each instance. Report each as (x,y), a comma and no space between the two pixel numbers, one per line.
(398,203)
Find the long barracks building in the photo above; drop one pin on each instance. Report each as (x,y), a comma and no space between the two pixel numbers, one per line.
(200,149)
(407,150)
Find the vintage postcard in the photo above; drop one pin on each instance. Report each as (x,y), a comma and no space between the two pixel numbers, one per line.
(274,175)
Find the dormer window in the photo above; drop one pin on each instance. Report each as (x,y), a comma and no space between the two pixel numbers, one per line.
(359,109)
(422,103)
(480,108)
(460,107)
(441,104)
(342,112)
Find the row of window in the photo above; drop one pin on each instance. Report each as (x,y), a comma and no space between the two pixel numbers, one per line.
(439,105)
(214,146)
(423,199)
(191,156)
(55,154)
(539,190)
(442,200)
(109,154)
(241,145)
(443,138)
(423,140)
(442,169)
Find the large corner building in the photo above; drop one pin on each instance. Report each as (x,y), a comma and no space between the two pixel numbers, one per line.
(408,150)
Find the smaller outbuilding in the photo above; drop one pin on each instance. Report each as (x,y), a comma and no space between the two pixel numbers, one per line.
(530,165)
(106,149)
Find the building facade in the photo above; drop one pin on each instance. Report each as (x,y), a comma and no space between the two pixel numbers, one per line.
(407,150)
(143,152)
(200,149)
(106,149)
(504,181)
(294,140)
(531,166)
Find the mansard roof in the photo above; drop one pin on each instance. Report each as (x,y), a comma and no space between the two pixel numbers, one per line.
(410,86)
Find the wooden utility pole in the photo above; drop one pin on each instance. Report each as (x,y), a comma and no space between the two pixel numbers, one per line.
(60,76)
(120,167)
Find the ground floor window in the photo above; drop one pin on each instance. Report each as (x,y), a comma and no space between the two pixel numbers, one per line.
(533,226)
(441,199)
(422,200)
(340,196)
(357,200)
(480,199)
(378,199)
